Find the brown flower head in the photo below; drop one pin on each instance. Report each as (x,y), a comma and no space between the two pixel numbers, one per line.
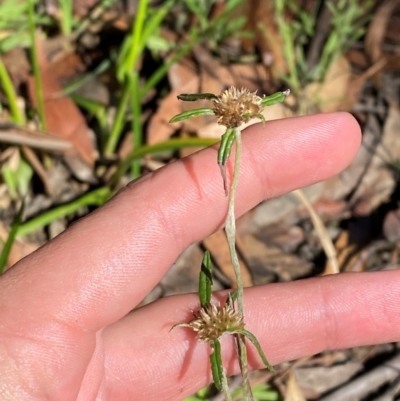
(236,106)
(213,320)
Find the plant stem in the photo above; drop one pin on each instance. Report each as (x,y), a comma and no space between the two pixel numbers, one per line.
(230,229)
(230,224)
(137,128)
(116,129)
(225,387)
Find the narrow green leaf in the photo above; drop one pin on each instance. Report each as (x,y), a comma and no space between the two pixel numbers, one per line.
(277,97)
(205,280)
(11,237)
(216,364)
(224,152)
(192,113)
(191,97)
(225,147)
(255,342)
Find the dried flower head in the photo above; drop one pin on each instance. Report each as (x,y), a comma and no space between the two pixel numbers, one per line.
(213,320)
(236,106)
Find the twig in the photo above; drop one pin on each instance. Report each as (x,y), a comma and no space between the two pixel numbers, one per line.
(323,235)
(367,383)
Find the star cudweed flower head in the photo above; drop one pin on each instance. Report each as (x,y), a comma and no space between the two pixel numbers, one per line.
(236,106)
(212,321)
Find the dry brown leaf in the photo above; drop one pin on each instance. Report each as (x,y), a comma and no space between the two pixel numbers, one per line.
(183,80)
(64,119)
(377,30)
(378,182)
(357,82)
(330,94)
(293,391)
(330,208)
(217,245)
(266,261)
(391,226)
(262,22)
(348,254)
(17,65)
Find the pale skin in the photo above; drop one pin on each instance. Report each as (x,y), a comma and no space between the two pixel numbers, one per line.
(65,329)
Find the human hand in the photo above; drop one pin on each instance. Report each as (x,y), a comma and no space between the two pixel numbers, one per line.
(65,329)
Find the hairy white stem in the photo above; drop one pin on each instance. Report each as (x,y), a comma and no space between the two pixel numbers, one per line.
(225,387)
(230,229)
(230,223)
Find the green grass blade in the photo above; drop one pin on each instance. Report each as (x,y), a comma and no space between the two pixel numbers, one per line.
(11,237)
(97,109)
(129,63)
(67,17)
(94,198)
(113,138)
(161,72)
(170,145)
(137,128)
(205,280)
(155,21)
(73,86)
(36,66)
(11,95)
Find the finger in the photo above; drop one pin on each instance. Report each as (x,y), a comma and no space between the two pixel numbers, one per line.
(291,320)
(99,269)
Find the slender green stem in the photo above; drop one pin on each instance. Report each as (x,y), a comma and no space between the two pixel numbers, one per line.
(230,224)
(66,16)
(225,387)
(137,32)
(244,368)
(96,198)
(11,95)
(36,67)
(137,128)
(5,253)
(230,229)
(116,130)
